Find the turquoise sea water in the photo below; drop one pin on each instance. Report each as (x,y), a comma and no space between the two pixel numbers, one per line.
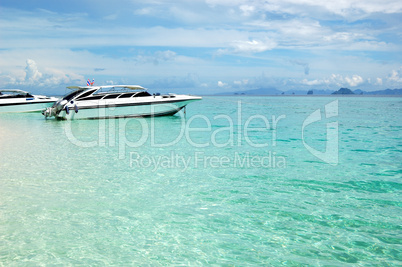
(235,181)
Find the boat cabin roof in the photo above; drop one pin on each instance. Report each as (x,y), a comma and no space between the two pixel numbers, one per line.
(105,92)
(109,88)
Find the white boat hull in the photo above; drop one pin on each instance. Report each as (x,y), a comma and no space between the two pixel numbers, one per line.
(146,107)
(28,106)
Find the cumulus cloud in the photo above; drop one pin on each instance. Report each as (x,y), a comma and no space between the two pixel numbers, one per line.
(32,73)
(339,80)
(34,77)
(354,80)
(335,80)
(395,76)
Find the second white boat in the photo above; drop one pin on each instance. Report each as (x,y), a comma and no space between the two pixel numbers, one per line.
(14,100)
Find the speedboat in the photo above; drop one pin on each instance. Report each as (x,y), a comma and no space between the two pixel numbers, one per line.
(14,100)
(115,101)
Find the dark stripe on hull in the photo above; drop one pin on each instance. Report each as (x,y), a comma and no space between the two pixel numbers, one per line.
(132,104)
(25,103)
(169,113)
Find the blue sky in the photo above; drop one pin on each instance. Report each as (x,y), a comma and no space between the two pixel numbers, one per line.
(201,46)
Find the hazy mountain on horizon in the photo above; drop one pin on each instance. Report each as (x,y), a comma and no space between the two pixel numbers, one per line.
(274,91)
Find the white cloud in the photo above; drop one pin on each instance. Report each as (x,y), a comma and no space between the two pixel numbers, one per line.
(247,10)
(248,47)
(312,82)
(254,46)
(222,84)
(32,74)
(354,81)
(335,80)
(396,76)
(261,34)
(319,8)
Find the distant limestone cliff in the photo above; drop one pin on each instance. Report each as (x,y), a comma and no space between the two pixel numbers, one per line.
(343,91)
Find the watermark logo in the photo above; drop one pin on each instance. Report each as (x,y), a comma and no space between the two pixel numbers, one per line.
(203,160)
(258,132)
(331,153)
(238,131)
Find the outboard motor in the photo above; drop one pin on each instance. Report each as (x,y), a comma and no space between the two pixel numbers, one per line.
(55,108)
(47,112)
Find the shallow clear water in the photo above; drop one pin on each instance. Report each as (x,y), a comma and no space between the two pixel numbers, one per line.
(263,181)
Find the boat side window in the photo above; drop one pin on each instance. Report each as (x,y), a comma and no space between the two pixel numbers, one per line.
(88,93)
(94,97)
(15,95)
(144,93)
(10,96)
(126,95)
(111,96)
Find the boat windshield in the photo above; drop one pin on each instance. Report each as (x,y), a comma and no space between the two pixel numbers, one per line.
(71,95)
(14,94)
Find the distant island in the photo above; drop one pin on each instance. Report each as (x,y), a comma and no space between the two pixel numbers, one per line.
(342,91)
